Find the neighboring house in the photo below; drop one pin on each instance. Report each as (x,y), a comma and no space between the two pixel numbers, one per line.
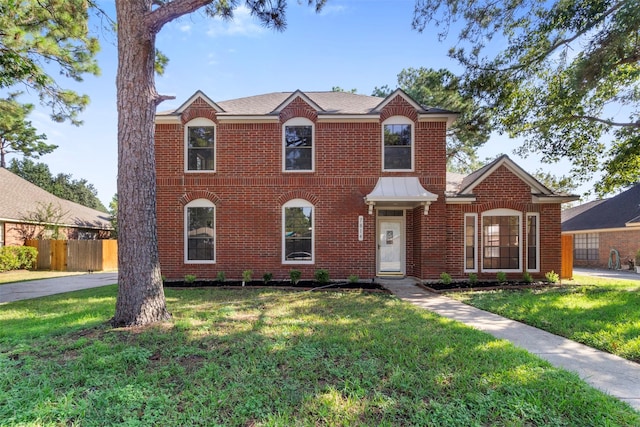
(24,207)
(350,183)
(602,229)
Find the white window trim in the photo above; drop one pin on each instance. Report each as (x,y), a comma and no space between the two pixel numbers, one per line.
(1,234)
(503,212)
(199,203)
(197,122)
(299,203)
(537,216)
(400,120)
(475,243)
(299,121)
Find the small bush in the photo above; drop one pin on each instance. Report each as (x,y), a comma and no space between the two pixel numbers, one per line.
(445,278)
(221,276)
(17,257)
(321,275)
(266,278)
(552,277)
(189,278)
(526,277)
(353,278)
(473,278)
(295,275)
(501,276)
(246,275)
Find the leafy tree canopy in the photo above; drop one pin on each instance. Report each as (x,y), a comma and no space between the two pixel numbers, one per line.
(442,89)
(36,35)
(17,135)
(61,185)
(566,82)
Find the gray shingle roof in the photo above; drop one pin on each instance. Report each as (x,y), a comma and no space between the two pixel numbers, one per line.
(330,102)
(19,197)
(615,212)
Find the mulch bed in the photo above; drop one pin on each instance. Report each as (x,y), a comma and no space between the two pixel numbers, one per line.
(302,285)
(483,286)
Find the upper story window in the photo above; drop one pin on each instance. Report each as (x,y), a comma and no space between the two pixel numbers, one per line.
(397,141)
(297,227)
(298,147)
(200,143)
(199,231)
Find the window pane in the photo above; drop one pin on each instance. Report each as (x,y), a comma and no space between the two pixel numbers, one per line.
(470,249)
(501,242)
(200,242)
(586,246)
(298,234)
(298,142)
(397,146)
(201,148)
(532,242)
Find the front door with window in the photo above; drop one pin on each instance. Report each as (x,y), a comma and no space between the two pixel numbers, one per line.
(391,246)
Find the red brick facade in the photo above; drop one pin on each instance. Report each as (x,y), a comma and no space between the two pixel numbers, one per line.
(249,189)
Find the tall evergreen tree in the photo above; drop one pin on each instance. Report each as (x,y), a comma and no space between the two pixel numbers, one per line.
(17,135)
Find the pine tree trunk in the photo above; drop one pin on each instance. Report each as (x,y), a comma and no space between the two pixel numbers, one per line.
(140,294)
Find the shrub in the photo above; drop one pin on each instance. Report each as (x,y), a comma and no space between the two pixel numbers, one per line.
(552,276)
(17,257)
(501,276)
(266,278)
(321,275)
(189,278)
(353,278)
(221,276)
(445,278)
(473,278)
(295,275)
(526,277)
(246,275)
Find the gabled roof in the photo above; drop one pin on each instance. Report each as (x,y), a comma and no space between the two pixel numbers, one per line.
(19,198)
(326,103)
(460,188)
(619,211)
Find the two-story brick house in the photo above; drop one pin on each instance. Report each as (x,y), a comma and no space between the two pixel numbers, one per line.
(350,183)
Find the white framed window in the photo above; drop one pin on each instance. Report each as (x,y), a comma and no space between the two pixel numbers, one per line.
(1,234)
(501,240)
(397,144)
(200,232)
(533,242)
(297,232)
(200,145)
(298,151)
(470,243)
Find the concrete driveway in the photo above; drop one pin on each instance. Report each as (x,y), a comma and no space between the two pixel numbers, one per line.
(57,285)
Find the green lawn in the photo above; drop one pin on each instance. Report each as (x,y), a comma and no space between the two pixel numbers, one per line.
(276,358)
(601,313)
(24,275)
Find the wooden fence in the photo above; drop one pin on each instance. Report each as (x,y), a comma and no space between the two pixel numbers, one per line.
(567,256)
(76,255)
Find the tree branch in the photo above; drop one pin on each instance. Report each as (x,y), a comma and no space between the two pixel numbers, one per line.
(608,122)
(167,12)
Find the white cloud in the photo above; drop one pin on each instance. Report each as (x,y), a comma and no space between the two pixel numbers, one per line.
(332,9)
(242,24)
(185,28)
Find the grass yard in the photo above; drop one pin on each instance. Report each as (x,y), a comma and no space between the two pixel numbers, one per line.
(601,313)
(276,358)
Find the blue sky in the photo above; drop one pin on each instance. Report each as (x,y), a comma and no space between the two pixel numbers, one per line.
(354,44)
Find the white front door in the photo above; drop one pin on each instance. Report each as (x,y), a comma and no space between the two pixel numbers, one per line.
(391,246)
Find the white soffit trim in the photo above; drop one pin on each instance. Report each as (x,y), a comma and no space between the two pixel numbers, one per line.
(399,189)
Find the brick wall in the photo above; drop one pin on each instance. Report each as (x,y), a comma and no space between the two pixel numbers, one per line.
(625,241)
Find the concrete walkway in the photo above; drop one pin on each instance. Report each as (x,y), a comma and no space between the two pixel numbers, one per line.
(57,285)
(611,374)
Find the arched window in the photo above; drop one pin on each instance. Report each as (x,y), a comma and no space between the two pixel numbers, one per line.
(397,144)
(297,232)
(298,145)
(200,144)
(199,232)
